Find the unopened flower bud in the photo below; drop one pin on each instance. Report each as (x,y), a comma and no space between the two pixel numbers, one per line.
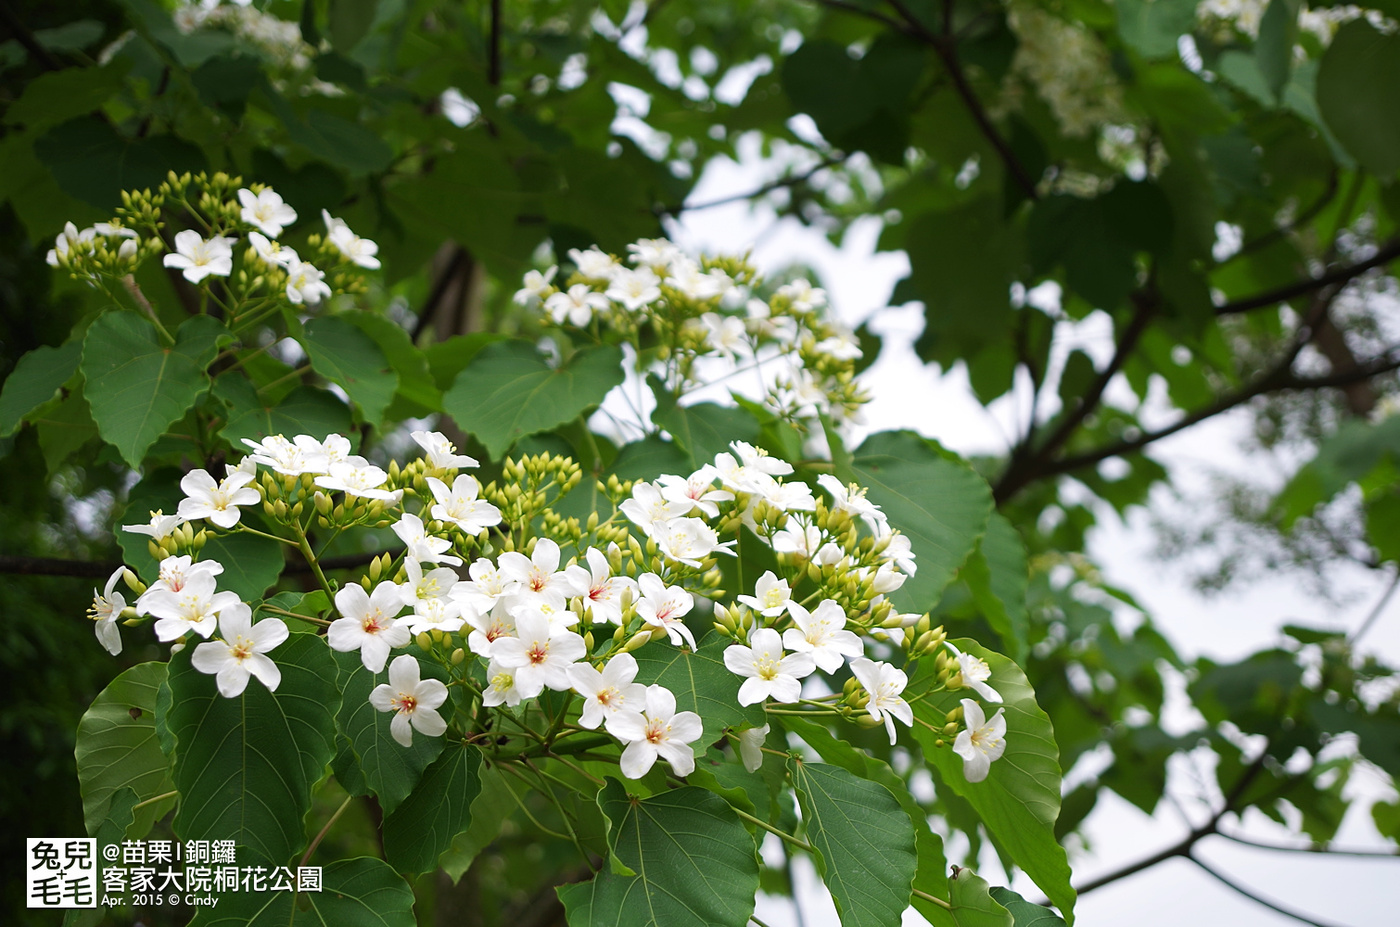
(458,656)
(639,639)
(424,640)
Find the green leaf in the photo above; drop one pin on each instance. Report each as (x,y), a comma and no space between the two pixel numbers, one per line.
(350,20)
(973,905)
(92,162)
(964,260)
(1152,27)
(1273,50)
(1358,92)
(251,563)
(117,748)
(390,769)
(61,95)
(694,864)
(136,387)
(933,864)
(1024,912)
(489,811)
(701,683)
(63,428)
(245,766)
(997,575)
(361,892)
(1020,798)
(508,391)
(348,357)
(305,410)
(34,381)
(941,505)
(426,823)
(704,429)
(416,386)
(864,841)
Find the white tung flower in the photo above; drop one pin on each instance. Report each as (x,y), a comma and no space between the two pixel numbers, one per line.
(659,731)
(536,287)
(884,684)
(442,453)
(608,693)
(413,700)
(362,481)
(242,651)
(356,250)
(770,674)
(975,672)
(271,252)
(266,210)
(216,502)
(158,528)
(540,656)
(461,506)
(306,283)
(751,747)
(105,611)
(664,606)
(771,597)
(575,306)
(822,634)
(194,607)
(197,258)
(421,545)
(368,625)
(981,742)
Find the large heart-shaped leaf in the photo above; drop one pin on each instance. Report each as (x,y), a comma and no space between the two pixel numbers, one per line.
(117,748)
(941,505)
(509,391)
(245,766)
(390,769)
(423,827)
(694,864)
(1020,798)
(359,892)
(864,842)
(33,382)
(136,387)
(348,357)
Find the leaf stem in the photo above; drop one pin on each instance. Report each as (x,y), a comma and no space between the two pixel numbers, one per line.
(325,830)
(282,611)
(151,801)
(934,899)
(312,562)
(781,835)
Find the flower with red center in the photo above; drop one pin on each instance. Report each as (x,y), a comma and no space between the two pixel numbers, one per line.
(608,693)
(659,731)
(540,657)
(413,700)
(663,606)
(368,625)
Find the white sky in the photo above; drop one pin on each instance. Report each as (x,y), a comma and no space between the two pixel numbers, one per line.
(1336,890)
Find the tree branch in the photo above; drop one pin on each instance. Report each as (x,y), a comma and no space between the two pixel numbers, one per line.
(780,183)
(1269,383)
(1027,464)
(1316,850)
(1258,899)
(1384,255)
(875,15)
(1183,847)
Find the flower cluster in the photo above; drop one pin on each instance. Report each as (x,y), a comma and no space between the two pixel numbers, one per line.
(707,317)
(228,214)
(470,581)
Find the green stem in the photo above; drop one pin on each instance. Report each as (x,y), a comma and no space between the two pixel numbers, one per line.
(933,899)
(151,801)
(781,835)
(282,611)
(325,830)
(312,562)
(251,530)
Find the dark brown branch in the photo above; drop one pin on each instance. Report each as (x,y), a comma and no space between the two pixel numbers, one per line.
(1269,383)
(1316,850)
(1027,464)
(1256,898)
(493,67)
(1387,253)
(875,15)
(1183,847)
(27,39)
(1302,219)
(780,183)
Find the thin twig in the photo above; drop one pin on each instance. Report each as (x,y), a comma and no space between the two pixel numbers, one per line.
(1259,899)
(1384,255)
(1315,850)
(1376,612)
